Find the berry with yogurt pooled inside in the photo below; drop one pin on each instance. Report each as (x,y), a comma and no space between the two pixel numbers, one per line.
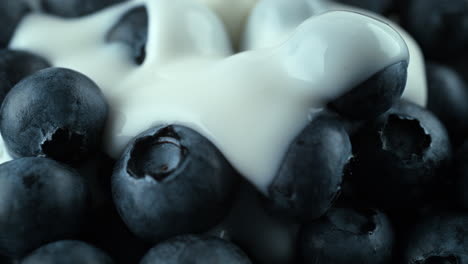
(11,13)
(56,113)
(69,252)
(132,30)
(16,65)
(310,176)
(75,8)
(171,180)
(346,235)
(398,156)
(438,239)
(41,201)
(195,249)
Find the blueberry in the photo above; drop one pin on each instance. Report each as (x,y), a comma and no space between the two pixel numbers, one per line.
(11,13)
(75,8)
(439,239)
(51,109)
(264,237)
(310,176)
(398,157)
(375,95)
(16,65)
(41,201)
(132,30)
(346,235)
(195,249)
(106,230)
(67,252)
(447,99)
(442,31)
(377,6)
(171,180)
(461,171)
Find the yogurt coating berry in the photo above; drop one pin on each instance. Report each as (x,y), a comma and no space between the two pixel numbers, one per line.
(250,105)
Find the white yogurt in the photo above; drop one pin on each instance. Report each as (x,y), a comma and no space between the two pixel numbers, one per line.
(251,105)
(234,14)
(272,22)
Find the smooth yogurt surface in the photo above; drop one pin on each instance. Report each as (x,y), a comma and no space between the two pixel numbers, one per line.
(251,104)
(272,21)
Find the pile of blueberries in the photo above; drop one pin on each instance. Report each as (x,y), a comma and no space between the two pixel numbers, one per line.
(381,183)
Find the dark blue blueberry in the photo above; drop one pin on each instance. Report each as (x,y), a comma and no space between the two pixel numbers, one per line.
(67,252)
(41,201)
(266,238)
(132,31)
(171,180)
(193,249)
(375,95)
(106,230)
(439,239)
(11,13)
(461,171)
(440,27)
(310,176)
(378,6)
(16,65)
(56,113)
(346,236)
(398,157)
(75,8)
(447,99)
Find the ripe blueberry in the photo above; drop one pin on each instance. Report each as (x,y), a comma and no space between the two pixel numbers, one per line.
(69,252)
(170,180)
(375,95)
(310,176)
(347,235)
(56,113)
(16,65)
(195,250)
(75,8)
(132,30)
(398,156)
(40,201)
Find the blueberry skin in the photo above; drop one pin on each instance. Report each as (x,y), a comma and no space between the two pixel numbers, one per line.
(439,239)
(447,97)
(16,65)
(41,201)
(377,6)
(347,235)
(170,180)
(75,8)
(11,13)
(461,171)
(132,31)
(442,31)
(67,252)
(195,249)
(310,177)
(398,157)
(375,95)
(265,237)
(50,109)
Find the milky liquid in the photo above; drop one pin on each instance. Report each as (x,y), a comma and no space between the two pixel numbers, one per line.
(272,21)
(250,105)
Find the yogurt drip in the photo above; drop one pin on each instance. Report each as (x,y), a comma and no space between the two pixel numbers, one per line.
(251,105)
